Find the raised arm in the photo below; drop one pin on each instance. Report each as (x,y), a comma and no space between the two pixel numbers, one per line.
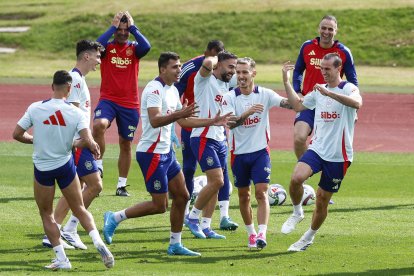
(209,63)
(294,100)
(143,44)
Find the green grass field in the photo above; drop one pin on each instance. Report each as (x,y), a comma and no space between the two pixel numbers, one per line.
(369,230)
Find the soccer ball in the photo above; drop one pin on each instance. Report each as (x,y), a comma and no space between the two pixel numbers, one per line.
(276,194)
(309,195)
(199,183)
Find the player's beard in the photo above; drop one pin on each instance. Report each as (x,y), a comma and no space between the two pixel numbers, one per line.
(226,77)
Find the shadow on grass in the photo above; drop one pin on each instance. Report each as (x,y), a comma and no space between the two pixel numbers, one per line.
(390,271)
(8,199)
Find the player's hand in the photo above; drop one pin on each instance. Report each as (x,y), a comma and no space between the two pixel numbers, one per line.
(188,110)
(222,120)
(256,108)
(287,67)
(94,148)
(130,19)
(322,89)
(117,19)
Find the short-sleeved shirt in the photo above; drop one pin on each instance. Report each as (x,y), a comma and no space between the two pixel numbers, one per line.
(55,123)
(157,94)
(208,94)
(334,124)
(79,93)
(254,134)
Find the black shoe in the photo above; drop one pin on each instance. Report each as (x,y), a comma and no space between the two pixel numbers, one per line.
(121,191)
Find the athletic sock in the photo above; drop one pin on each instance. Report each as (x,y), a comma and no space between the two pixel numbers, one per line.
(120,216)
(263,229)
(250,229)
(121,182)
(298,210)
(224,208)
(309,234)
(195,213)
(205,222)
(175,238)
(96,239)
(71,224)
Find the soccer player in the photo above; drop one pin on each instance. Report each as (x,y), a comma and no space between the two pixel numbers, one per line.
(249,137)
(209,144)
(185,87)
(88,55)
(161,107)
(309,60)
(119,90)
(330,152)
(55,123)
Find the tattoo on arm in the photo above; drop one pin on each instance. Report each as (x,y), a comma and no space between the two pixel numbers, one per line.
(285,104)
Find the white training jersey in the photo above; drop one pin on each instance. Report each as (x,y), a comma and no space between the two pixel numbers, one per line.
(55,123)
(208,94)
(254,134)
(334,123)
(157,94)
(79,93)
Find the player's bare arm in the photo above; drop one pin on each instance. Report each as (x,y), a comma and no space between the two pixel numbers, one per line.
(19,134)
(209,63)
(354,100)
(86,141)
(294,100)
(285,104)
(238,120)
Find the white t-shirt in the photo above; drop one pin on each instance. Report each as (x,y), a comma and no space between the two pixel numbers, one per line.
(334,124)
(254,134)
(55,123)
(157,94)
(208,94)
(79,93)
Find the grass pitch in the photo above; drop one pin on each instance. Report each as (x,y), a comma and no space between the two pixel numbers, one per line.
(368,230)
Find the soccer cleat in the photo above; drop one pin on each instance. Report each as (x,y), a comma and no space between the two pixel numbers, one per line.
(194,226)
(121,191)
(331,201)
(74,239)
(290,223)
(261,241)
(227,224)
(300,245)
(210,234)
(46,243)
(107,257)
(179,249)
(109,226)
(56,264)
(252,241)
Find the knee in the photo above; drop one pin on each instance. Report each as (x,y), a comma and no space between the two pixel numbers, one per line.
(299,138)
(99,127)
(244,198)
(296,180)
(125,145)
(260,196)
(96,187)
(160,207)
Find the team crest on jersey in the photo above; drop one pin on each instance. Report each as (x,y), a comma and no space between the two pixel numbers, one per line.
(210,161)
(98,113)
(157,185)
(88,165)
(129,52)
(113,51)
(329,102)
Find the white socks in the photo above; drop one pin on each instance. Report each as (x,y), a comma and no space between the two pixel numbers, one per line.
(205,223)
(71,225)
(309,234)
(175,238)
(120,216)
(121,182)
(224,208)
(250,229)
(194,214)
(298,210)
(60,252)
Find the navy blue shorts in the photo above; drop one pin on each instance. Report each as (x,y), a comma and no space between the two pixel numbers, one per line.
(158,170)
(254,166)
(332,172)
(307,116)
(63,175)
(126,118)
(84,161)
(210,154)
